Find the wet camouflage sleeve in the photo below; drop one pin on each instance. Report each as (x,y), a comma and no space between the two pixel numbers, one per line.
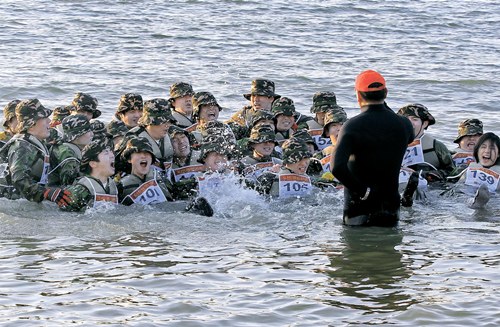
(445,159)
(80,198)
(68,171)
(185,188)
(265,182)
(238,130)
(22,158)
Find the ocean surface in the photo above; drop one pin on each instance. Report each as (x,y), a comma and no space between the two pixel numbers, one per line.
(254,263)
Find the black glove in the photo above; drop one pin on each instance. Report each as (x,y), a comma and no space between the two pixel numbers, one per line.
(57,195)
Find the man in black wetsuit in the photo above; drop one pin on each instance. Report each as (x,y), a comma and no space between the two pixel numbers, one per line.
(368,156)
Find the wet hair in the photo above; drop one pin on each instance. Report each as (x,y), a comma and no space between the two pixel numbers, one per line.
(375,95)
(485,137)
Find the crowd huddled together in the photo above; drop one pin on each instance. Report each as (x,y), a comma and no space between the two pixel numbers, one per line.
(176,148)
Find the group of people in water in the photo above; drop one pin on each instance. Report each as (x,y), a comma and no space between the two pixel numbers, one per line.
(177,149)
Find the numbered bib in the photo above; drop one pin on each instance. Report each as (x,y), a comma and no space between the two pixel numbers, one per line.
(191,128)
(404,176)
(187,172)
(293,185)
(256,170)
(414,154)
(99,199)
(325,163)
(148,193)
(321,142)
(45,171)
(479,176)
(207,184)
(463,158)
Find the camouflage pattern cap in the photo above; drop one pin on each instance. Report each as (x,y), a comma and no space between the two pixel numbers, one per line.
(128,102)
(137,144)
(28,112)
(180,89)
(304,136)
(156,112)
(294,150)
(333,116)
(91,151)
(174,130)
(262,87)
(203,98)
(216,144)
(283,106)
(9,111)
(324,101)
(259,115)
(98,126)
(117,128)
(469,127)
(417,110)
(60,112)
(75,126)
(86,102)
(261,134)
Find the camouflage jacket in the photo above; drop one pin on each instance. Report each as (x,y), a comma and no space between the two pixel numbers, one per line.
(241,117)
(65,164)
(83,197)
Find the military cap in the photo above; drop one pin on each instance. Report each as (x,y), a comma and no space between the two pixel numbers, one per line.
(59,113)
(116,128)
(214,143)
(128,102)
(91,151)
(98,126)
(75,126)
(180,89)
(259,115)
(28,112)
(203,98)
(294,150)
(86,102)
(324,101)
(417,110)
(469,127)
(137,144)
(283,106)
(9,111)
(304,136)
(156,112)
(262,87)
(174,130)
(333,116)
(261,134)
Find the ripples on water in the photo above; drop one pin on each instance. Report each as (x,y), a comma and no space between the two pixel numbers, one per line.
(254,263)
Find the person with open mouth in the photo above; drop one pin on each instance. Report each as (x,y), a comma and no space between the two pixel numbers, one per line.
(283,111)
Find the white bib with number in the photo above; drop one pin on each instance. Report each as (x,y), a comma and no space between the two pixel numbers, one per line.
(208,184)
(45,171)
(479,176)
(254,171)
(187,172)
(321,142)
(414,154)
(325,163)
(293,185)
(463,158)
(148,193)
(404,176)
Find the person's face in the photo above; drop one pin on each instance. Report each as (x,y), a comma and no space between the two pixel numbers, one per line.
(263,149)
(419,126)
(333,131)
(86,113)
(131,117)
(180,145)
(41,129)
(487,153)
(141,163)
(84,139)
(106,164)
(215,162)
(261,102)
(320,118)
(12,124)
(300,167)
(468,142)
(158,132)
(184,105)
(209,112)
(284,123)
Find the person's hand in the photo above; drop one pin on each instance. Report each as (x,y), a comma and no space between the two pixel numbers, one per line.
(58,195)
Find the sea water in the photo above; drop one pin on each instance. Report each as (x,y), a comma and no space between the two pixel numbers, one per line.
(254,263)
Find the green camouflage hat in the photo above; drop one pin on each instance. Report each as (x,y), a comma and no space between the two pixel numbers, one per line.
(283,106)
(174,130)
(117,128)
(156,112)
(213,144)
(75,126)
(180,89)
(304,136)
(28,112)
(294,150)
(91,151)
(9,111)
(324,101)
(137,144)
(128,102)
(469,127)
(261,134)
(98,126)
(417,110)
(262,87)
(203,98)
(86,102)
(259,115)
(59,113)
(333,116)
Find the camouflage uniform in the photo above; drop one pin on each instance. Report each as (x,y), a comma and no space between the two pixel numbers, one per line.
(461,157)
(9,112)
(333,116)
(27,156)
(284,106)
(86,102)
(259,87)
(65,158)
(179,90)
(193,156)
(59,113)
(128,102)
(100,132)
(84,192)
(469,127)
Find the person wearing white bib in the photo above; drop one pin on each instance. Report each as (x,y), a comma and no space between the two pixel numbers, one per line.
(469,132)
(9,122)
(181,94)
